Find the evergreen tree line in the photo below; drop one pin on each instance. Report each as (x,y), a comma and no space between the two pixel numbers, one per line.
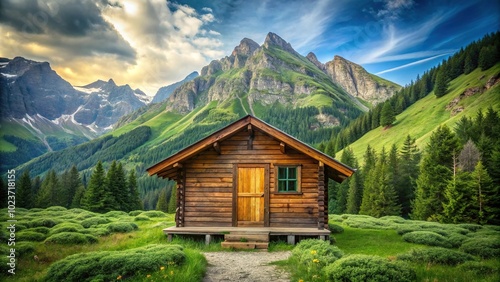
(106,191)
(481,54)
(455,179)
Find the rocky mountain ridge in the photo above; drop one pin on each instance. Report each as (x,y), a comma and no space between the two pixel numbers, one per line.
(275,72)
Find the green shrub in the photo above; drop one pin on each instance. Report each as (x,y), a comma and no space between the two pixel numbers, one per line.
(314,251)
(141,218)
(97,231)
(115,214)
(43,222)
(487,247)
(94,221)
(428,238)
(369,268)
(135,213)
(66,227)
(394,218)
(335,218)
(108,265)
(470,227)
(122,227)
(24,248)
(77,211)
(26,235)
(71,238)
(56,208)
(456,240)
(369,223)
(44,230)
(436,255)
(85,215)
(335,229)
(407,228)
(154,214)
(36,210)
(478,268)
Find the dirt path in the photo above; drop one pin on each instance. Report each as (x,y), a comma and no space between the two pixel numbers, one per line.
(245,266)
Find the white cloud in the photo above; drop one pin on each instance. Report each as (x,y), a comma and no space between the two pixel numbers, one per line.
(413,63)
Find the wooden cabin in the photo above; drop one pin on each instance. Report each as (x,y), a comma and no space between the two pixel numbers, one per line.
(251,176)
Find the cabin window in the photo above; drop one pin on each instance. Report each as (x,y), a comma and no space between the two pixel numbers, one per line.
(288,179)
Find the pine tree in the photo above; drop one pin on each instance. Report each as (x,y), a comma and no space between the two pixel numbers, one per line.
(46,196)
(488,57)
(459,203)
(349,159)
(435,171)
(488,196)
(172,203)
(25,197)
(409,158)
(441,84)
(134,199)
(93,198)
(368,181)
(384,198)
(387,115)
(162,204)
(70,182)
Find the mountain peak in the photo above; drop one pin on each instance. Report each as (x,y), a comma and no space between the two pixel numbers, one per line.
(247,47)
(313,59)
(111,82)
(272,39)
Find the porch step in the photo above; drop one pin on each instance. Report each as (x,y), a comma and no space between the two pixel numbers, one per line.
(245,245)
(246,240)
(239,236)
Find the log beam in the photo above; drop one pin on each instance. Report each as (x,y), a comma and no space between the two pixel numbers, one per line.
(282,148)
(217,147)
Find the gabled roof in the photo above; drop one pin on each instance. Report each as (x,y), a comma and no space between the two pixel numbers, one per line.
(335,169)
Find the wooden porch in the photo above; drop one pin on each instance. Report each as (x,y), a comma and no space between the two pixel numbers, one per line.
(244,232)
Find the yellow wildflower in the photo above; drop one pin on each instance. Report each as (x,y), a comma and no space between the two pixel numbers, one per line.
(313,252)
(119,277)
(149,275)
(171,272)
(315,260)
(301,280)
(162,268)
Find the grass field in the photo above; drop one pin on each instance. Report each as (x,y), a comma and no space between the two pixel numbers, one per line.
(68,241)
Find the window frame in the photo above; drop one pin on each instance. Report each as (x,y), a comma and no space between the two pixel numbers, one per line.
(298,168)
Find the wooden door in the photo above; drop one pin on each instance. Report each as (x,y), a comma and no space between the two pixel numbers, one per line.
(251,195)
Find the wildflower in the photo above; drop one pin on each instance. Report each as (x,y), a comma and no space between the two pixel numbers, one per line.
(119,277)
(162,268)
(313,252)
(149,275)
(315,260)
(171,272)
(301,280)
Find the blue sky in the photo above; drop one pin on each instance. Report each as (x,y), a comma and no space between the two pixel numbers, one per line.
(152,43)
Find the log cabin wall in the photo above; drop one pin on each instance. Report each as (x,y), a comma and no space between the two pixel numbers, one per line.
(209,182)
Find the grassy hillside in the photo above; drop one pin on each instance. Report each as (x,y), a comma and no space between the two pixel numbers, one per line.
(423,117)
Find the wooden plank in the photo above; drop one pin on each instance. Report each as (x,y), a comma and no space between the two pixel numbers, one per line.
(249,237)
(207,219)
(215,214)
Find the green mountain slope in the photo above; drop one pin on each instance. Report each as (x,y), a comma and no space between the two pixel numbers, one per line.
(423,117)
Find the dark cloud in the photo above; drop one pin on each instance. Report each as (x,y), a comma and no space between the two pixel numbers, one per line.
(67,21)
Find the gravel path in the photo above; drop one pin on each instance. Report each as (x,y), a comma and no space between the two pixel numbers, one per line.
(245,266)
